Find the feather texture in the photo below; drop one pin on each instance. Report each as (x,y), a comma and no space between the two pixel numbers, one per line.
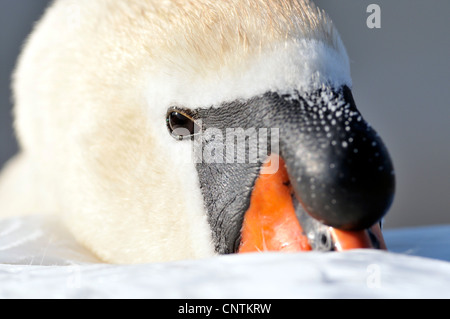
(91,90)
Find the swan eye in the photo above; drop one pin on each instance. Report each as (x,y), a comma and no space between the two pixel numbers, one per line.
(180,125)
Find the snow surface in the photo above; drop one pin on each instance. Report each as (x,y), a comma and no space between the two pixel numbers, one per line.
(40,259)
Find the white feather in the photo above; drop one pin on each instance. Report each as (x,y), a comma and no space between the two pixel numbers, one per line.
(91,90)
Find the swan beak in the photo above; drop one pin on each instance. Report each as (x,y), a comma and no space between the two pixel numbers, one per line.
(325,183)
(271,222)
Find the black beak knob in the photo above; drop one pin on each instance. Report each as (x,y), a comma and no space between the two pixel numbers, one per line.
(339,167)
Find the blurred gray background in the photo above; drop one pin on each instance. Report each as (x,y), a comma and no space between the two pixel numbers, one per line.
(401,84)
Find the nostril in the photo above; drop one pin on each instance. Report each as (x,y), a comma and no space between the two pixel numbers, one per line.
(325,242)
(323,239)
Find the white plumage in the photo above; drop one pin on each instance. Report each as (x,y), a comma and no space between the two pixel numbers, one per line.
(90,100)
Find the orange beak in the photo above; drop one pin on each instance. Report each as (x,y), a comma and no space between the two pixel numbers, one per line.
(270,223)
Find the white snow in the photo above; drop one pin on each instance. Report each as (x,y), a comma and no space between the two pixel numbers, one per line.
(39,259)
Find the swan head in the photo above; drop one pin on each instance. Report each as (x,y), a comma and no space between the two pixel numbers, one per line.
(160,93)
